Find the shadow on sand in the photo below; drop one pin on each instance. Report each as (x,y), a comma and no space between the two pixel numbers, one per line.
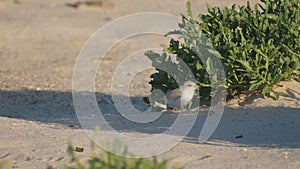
(266,127)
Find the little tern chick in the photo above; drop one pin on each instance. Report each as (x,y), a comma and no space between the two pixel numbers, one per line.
(180,97)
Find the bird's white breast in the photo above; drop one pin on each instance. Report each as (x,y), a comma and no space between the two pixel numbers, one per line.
(187,96)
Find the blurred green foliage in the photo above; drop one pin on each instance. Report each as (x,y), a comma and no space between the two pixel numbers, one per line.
(108,160)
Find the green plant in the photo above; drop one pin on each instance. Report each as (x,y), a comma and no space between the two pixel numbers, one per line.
(108,160)
(4,164)
(258,48)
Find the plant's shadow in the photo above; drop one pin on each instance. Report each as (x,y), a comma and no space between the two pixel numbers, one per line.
(261,127)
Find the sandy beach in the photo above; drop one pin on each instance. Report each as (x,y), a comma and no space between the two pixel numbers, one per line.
(40,42)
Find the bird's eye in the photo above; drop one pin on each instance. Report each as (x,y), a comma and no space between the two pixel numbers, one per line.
(189,85)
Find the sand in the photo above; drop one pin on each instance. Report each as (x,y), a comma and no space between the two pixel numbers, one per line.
(40,42)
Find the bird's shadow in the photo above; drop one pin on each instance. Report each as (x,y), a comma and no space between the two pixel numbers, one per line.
(261,127)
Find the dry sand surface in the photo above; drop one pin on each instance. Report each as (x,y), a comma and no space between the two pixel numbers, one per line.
(40,41)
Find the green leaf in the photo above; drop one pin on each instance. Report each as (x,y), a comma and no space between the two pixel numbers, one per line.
(253,86)
(199,65)
(276,95)
(208,66)
(272,16)
(210,8)
(297,79)
(189,11)
(175,32)
(266,90)
(246,64)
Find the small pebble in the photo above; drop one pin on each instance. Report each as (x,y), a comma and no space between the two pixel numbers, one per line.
(79,149)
